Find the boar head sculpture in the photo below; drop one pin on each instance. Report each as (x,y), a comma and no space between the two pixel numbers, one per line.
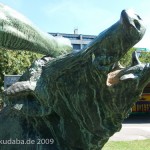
(80,98)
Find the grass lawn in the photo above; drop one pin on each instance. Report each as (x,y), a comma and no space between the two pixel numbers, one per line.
(128,145)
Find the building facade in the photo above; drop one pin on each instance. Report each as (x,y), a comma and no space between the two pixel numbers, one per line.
(78,41)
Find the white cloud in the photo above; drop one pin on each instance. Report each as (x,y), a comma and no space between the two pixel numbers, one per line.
(145,42)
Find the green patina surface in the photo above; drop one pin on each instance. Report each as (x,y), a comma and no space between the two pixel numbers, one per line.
(80,99)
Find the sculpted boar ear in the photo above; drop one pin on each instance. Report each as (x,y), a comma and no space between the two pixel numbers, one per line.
(117,65)
(135,59)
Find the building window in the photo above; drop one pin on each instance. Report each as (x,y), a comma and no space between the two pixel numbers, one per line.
(76,46)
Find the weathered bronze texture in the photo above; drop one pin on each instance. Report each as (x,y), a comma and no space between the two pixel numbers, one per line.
(81,98)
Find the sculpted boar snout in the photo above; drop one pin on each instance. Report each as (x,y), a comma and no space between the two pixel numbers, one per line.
(133,23)
(115,41)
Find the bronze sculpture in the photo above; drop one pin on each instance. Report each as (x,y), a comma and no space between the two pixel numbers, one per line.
(80,99)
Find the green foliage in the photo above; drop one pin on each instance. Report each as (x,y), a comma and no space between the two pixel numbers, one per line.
(15,62)
(145,57)
(126,60)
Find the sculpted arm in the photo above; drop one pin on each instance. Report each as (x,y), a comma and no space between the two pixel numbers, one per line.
(18,33)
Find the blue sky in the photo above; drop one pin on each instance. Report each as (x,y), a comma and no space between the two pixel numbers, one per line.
(90,17)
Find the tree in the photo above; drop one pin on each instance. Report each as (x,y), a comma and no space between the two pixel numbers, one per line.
(126,60)
(15,62)
(143,57)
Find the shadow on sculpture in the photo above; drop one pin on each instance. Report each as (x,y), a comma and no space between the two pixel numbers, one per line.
(79,99)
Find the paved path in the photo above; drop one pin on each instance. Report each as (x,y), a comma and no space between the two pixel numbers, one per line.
(136,127)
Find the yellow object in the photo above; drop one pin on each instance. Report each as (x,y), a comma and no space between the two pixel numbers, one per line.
(143,105)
